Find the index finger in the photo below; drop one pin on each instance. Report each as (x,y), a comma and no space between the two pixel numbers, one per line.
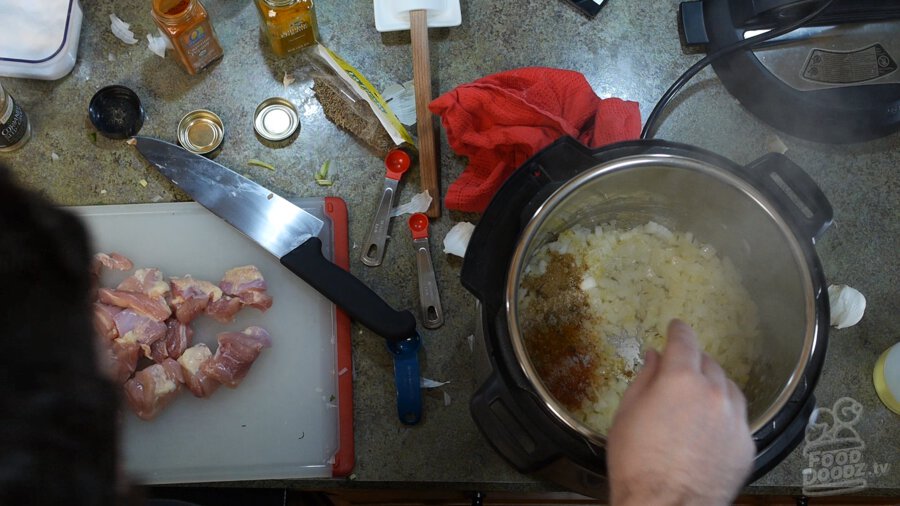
(682,349)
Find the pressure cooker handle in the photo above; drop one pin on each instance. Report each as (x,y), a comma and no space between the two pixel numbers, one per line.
(795,192)
(497,415)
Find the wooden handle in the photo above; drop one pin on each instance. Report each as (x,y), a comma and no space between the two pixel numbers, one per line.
(428,162)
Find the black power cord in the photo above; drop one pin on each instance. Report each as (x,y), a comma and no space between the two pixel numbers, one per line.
(653,118)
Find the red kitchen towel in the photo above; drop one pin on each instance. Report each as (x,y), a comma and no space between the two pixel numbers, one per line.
(501,120)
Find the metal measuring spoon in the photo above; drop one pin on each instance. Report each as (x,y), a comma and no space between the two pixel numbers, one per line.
(429,297)
(397,163)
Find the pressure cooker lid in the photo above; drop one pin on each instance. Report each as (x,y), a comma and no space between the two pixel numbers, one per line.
(836,80)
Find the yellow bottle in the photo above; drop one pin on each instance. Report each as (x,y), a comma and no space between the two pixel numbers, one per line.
(887,378)
(288,25)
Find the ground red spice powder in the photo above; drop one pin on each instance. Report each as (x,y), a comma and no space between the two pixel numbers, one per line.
(178,8)
(555,335)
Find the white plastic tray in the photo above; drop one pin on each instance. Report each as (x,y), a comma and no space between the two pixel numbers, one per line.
(282,421)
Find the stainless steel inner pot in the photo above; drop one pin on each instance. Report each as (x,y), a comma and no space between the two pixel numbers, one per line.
(719,208)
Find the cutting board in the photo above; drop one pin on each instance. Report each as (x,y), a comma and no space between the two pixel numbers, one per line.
(292,415)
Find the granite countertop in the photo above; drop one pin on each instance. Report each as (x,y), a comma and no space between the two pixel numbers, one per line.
(631,51)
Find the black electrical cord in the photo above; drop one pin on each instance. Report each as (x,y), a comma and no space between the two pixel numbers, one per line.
(653,118)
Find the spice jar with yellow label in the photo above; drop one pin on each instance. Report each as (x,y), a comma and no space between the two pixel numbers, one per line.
(288,25)
(186,24)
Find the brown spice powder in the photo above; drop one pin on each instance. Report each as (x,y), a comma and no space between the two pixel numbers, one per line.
(555,333)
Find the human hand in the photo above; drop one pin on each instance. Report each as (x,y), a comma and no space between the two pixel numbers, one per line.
(680,435)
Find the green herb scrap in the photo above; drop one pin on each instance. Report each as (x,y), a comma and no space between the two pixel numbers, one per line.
(322,175)
(259,163)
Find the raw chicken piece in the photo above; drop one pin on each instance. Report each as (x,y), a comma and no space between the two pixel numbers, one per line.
(247,283)
(153,388)
(122,359)
(224,309)
(144,291)
(104,320)
(235,355)
(242,279)
(178,338)
(158,351)
(259,300)
(199,382)
(147,281)
(190,297)
(112,261)
(137,328)
(154,307)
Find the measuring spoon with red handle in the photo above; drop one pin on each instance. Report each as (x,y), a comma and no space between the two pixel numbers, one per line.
(396,162)
(429,297)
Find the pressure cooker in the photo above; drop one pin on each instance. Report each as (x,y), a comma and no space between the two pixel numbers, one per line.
(765,217)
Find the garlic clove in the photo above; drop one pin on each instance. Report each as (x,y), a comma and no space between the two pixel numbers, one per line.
(847,305)
(457,239)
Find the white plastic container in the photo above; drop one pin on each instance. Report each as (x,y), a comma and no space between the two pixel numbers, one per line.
(39,38)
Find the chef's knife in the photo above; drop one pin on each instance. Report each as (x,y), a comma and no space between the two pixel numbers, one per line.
(290,233)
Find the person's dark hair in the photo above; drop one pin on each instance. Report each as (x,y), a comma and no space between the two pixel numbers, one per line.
(57,411)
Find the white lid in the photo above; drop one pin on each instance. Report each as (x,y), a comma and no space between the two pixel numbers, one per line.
(39,39)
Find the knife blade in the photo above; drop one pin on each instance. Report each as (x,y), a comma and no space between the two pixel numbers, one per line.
(282,228)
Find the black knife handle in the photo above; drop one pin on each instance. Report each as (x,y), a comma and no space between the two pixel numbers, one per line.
(348,292)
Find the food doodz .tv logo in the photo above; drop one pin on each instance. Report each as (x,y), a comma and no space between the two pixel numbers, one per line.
(834,452)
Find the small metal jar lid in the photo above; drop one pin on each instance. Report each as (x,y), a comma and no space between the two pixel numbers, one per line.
(276,119)
(201,131)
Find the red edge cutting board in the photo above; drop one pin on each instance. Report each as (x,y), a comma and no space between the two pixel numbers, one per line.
(292,417)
